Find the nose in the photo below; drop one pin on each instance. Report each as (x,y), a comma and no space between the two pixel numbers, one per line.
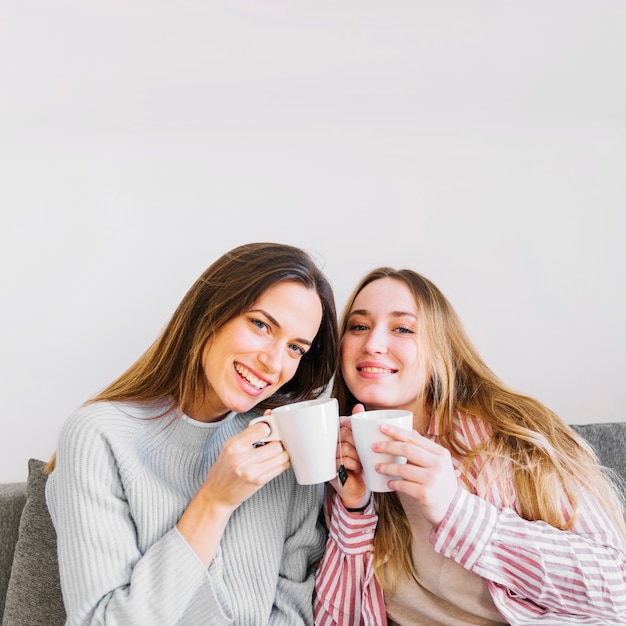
(270,357)
(375,342)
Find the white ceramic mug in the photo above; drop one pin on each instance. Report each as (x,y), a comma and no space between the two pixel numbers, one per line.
(365,431)
(308,431)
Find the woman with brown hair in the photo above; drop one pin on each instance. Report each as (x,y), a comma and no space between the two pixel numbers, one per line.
(165,510)
(502,513)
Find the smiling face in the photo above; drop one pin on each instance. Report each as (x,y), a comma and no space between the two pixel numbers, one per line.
(383,361)
(257,352)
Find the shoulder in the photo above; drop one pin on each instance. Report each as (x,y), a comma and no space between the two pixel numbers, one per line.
(107,439)
(484,474)
(101,416)
(472,430)
(105,424)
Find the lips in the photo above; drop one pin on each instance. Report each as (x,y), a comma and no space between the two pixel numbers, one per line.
(250,377)
(375,369)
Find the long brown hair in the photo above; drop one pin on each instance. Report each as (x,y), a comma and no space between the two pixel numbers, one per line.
(546,455)
(171,368)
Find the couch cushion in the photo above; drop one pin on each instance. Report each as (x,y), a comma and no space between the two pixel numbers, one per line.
(12,499)
(609,441)
(34,592)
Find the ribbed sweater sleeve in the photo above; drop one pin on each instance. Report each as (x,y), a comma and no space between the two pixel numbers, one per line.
(115,497)
(106,579)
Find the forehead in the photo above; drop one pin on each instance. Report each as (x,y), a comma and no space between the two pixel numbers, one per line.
(286,293)
(385,294)
(293,307)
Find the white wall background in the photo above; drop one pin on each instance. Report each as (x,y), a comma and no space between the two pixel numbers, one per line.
(482,143)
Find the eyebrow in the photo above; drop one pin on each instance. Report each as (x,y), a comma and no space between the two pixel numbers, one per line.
(274,321)
(391,313)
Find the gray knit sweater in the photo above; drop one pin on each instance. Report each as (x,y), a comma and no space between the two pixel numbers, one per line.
(122,482)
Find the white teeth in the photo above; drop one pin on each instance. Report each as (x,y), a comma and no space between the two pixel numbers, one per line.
(375,370)
(250,377)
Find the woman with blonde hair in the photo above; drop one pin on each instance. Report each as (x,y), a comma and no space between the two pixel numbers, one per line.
(502,513)
(166,510)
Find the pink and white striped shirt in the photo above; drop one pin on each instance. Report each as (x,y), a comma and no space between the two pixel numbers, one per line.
(535,573)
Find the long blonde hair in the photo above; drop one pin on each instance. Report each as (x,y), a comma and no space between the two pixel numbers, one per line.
(172,367)
(546,456)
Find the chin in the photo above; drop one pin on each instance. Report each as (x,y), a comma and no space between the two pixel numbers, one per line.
(247,404)
(374,403)
(241,407)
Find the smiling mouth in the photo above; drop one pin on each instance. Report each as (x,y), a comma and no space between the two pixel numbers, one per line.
(375,370)
(249,377)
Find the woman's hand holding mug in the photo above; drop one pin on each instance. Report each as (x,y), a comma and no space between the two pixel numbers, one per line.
(352,491)
(428,475)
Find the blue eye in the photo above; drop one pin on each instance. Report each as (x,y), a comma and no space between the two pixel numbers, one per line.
(402,330)
(358,327)
(260,324)
(296,348)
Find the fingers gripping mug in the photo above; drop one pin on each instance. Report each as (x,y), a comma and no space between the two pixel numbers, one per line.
(308,431)
(366,430)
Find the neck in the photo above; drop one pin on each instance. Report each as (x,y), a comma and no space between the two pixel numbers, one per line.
(421,422)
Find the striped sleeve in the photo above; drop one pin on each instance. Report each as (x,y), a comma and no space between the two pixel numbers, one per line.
(346,590)
(537,573)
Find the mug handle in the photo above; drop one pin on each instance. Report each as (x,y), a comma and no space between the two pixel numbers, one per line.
(274,434)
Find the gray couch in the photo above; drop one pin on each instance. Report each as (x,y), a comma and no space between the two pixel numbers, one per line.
(30,592)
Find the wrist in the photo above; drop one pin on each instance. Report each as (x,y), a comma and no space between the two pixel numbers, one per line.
(358,509)
(356,506)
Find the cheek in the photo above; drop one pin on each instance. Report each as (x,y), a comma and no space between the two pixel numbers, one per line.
(347,348)
(347,356)
(412,360)
(290,367)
